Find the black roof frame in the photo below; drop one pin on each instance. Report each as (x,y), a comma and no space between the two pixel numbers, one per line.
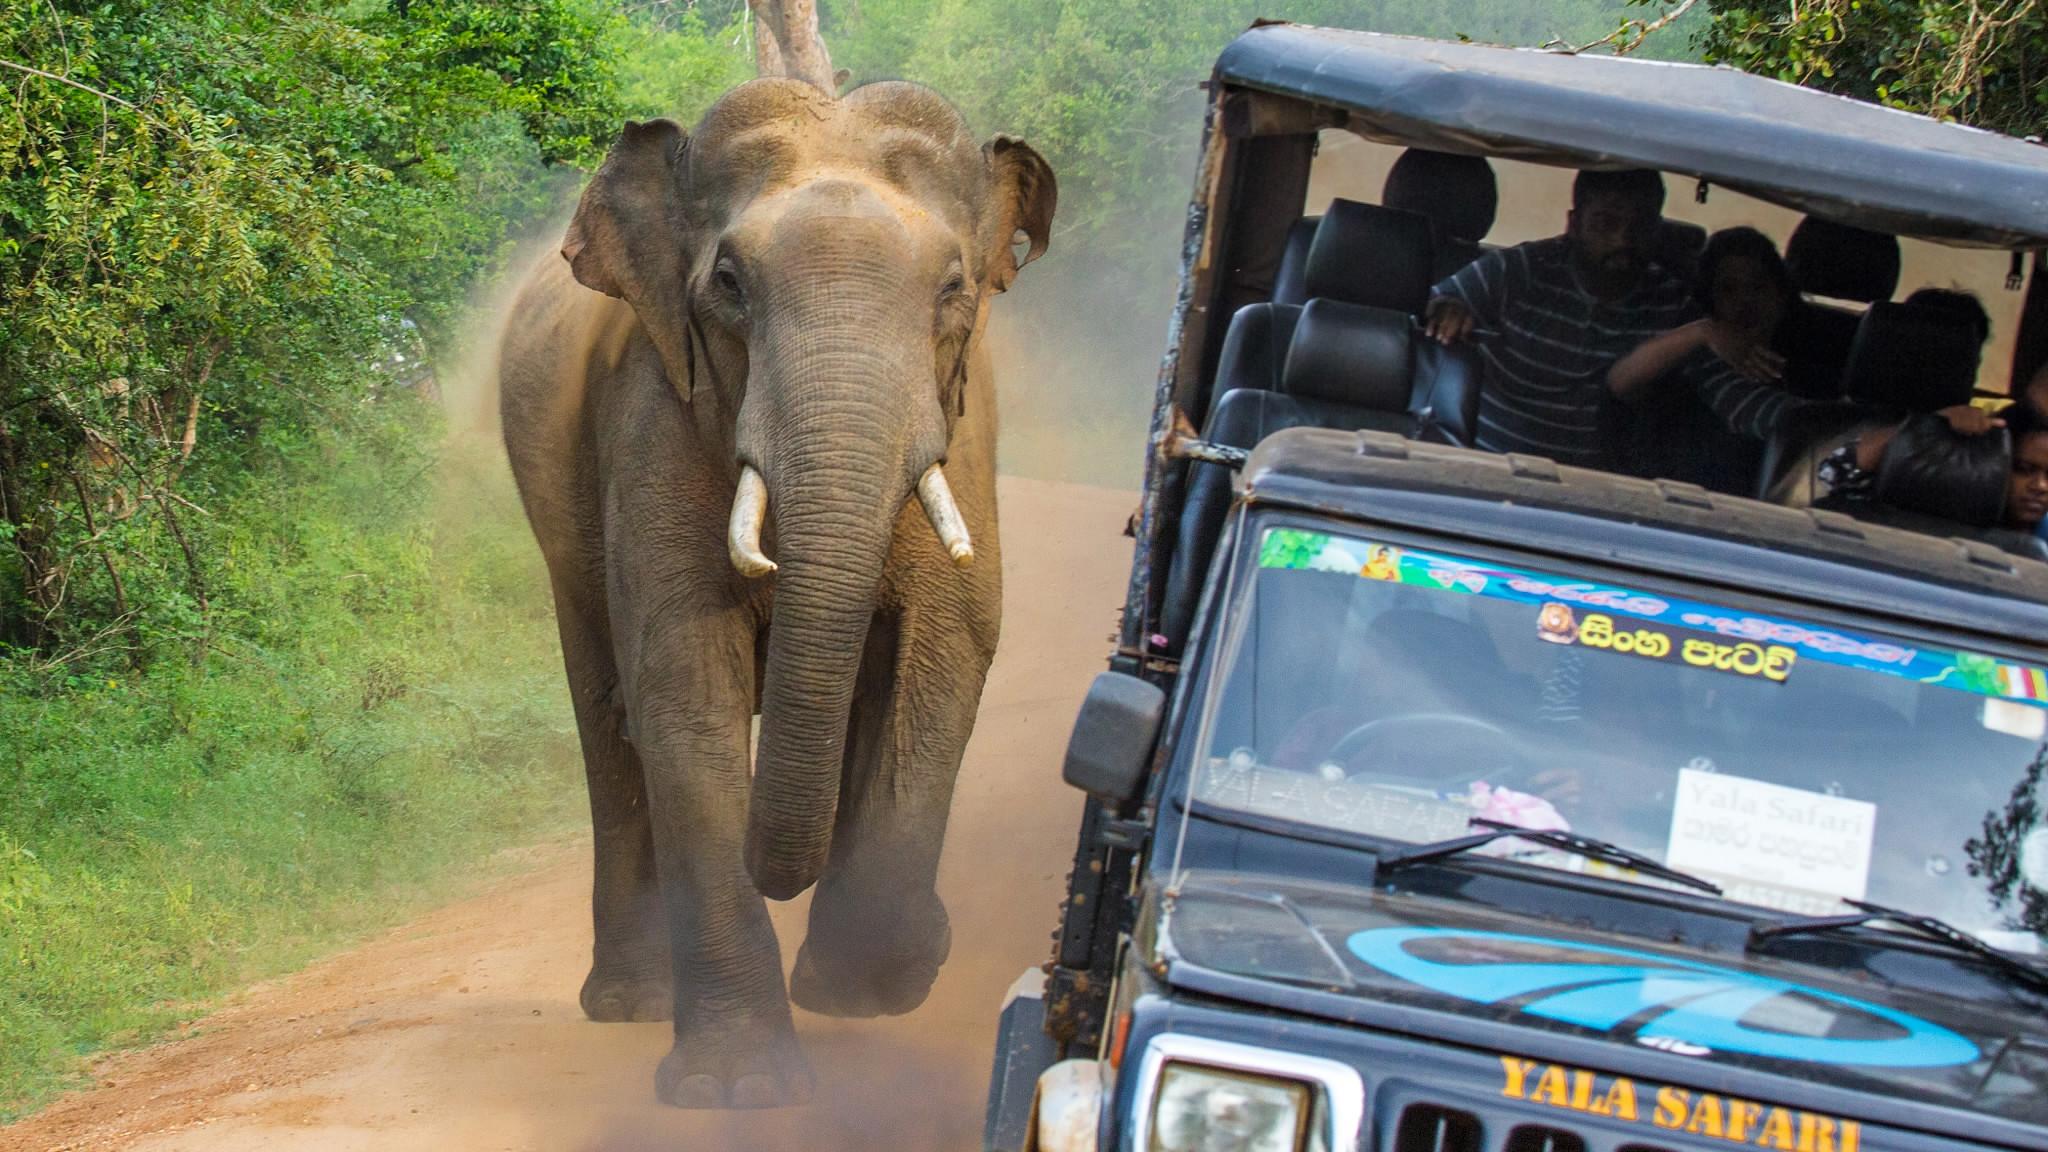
(1844,159)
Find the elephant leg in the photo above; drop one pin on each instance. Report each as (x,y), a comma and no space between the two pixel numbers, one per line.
(630,970)
(735,1046)
(878,931)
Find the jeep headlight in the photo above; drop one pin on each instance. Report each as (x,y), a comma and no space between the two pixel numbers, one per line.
(1202,1109)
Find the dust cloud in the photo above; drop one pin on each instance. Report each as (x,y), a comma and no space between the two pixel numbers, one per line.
(466,376)
(1077,344)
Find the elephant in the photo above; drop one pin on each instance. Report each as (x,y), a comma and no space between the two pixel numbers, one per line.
(753,429)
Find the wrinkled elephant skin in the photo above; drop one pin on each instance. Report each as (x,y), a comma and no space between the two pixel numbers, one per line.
(742,408)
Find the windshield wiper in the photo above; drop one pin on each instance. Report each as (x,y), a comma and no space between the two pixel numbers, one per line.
(1570,842)
(1926,927)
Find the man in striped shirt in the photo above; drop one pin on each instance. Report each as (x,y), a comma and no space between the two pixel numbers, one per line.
(1550,317)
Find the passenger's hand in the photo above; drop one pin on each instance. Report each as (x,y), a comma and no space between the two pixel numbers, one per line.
(1448,321)
(1744,352)
(1970,420)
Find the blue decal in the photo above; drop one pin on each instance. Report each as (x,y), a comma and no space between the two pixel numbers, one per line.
(1656,997)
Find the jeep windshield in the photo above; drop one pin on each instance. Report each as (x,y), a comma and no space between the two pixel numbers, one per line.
(1397,693)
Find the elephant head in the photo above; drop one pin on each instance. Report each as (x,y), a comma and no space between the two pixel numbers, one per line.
(818,268)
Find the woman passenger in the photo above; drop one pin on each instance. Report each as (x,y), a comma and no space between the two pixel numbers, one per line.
(1745,293)
(1721,377)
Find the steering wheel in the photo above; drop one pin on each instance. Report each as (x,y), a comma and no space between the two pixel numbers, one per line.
(1493,751)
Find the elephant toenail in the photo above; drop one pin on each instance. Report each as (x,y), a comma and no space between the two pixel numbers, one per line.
(760,1090)
(698,1091)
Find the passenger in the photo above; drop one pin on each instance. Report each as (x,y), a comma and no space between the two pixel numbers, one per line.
(1727,356)
(1551,317)
(1957,305)
(2026,490)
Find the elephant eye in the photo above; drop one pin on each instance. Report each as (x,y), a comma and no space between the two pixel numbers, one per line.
(954,285)
(728,279)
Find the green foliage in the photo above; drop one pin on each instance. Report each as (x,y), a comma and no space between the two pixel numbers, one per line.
(675,64)
(1980,62)
(382,703)
(221,220)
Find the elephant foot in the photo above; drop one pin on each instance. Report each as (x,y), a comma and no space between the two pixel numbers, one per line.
(754,1067)
(856,977)
(618,995)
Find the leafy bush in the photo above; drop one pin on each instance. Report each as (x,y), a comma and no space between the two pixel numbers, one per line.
(381,704)
(215,217)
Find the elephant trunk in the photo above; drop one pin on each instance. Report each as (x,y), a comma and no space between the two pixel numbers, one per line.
(842,422)
(833,528)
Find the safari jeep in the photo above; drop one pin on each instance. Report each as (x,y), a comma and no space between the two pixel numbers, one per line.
(1446,801)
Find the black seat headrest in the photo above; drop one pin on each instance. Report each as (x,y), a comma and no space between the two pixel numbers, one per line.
(1908,358)
(1934,470)
(1847,263)
(1350,354)
(1366,254)
(1676,245)
(1458,193)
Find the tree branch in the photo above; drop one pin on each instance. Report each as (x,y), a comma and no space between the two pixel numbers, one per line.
(1633,32)
(787,43)
(113,573)
(85,88)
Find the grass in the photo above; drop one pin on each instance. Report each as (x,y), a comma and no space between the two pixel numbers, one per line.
(378,707)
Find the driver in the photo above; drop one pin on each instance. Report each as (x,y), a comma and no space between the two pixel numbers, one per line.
(1417,700)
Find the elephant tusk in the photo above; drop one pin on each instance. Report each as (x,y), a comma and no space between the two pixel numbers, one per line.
(743,536)
(937,498)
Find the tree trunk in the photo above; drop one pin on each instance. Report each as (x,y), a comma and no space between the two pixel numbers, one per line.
(787,43)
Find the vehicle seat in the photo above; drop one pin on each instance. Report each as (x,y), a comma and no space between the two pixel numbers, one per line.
(1459,195)
(1786,473)
(1841,263)
(1359,254)
(1290,285)
(1911,359)
(1676,246)
(1931,469)
(1347,367)
(1367,254)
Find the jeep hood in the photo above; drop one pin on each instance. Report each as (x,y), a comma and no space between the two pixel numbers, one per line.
(1473,975)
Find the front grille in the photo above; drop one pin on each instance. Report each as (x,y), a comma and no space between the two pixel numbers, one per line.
(1537,1138)
(1435,1128)
(1429,1128)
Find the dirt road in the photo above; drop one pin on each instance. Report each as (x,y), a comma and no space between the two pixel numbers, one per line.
(461,1031)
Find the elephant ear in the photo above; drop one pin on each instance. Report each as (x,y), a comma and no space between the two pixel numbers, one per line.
(628,239)
(1022,195)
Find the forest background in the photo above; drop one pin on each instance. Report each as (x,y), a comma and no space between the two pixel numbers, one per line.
(276,658)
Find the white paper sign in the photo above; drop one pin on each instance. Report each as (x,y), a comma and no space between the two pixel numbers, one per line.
(1770,835)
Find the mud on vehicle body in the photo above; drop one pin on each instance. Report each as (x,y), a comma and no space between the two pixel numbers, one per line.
(1444,801)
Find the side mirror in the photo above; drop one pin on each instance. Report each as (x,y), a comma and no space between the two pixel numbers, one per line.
(1113,737)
